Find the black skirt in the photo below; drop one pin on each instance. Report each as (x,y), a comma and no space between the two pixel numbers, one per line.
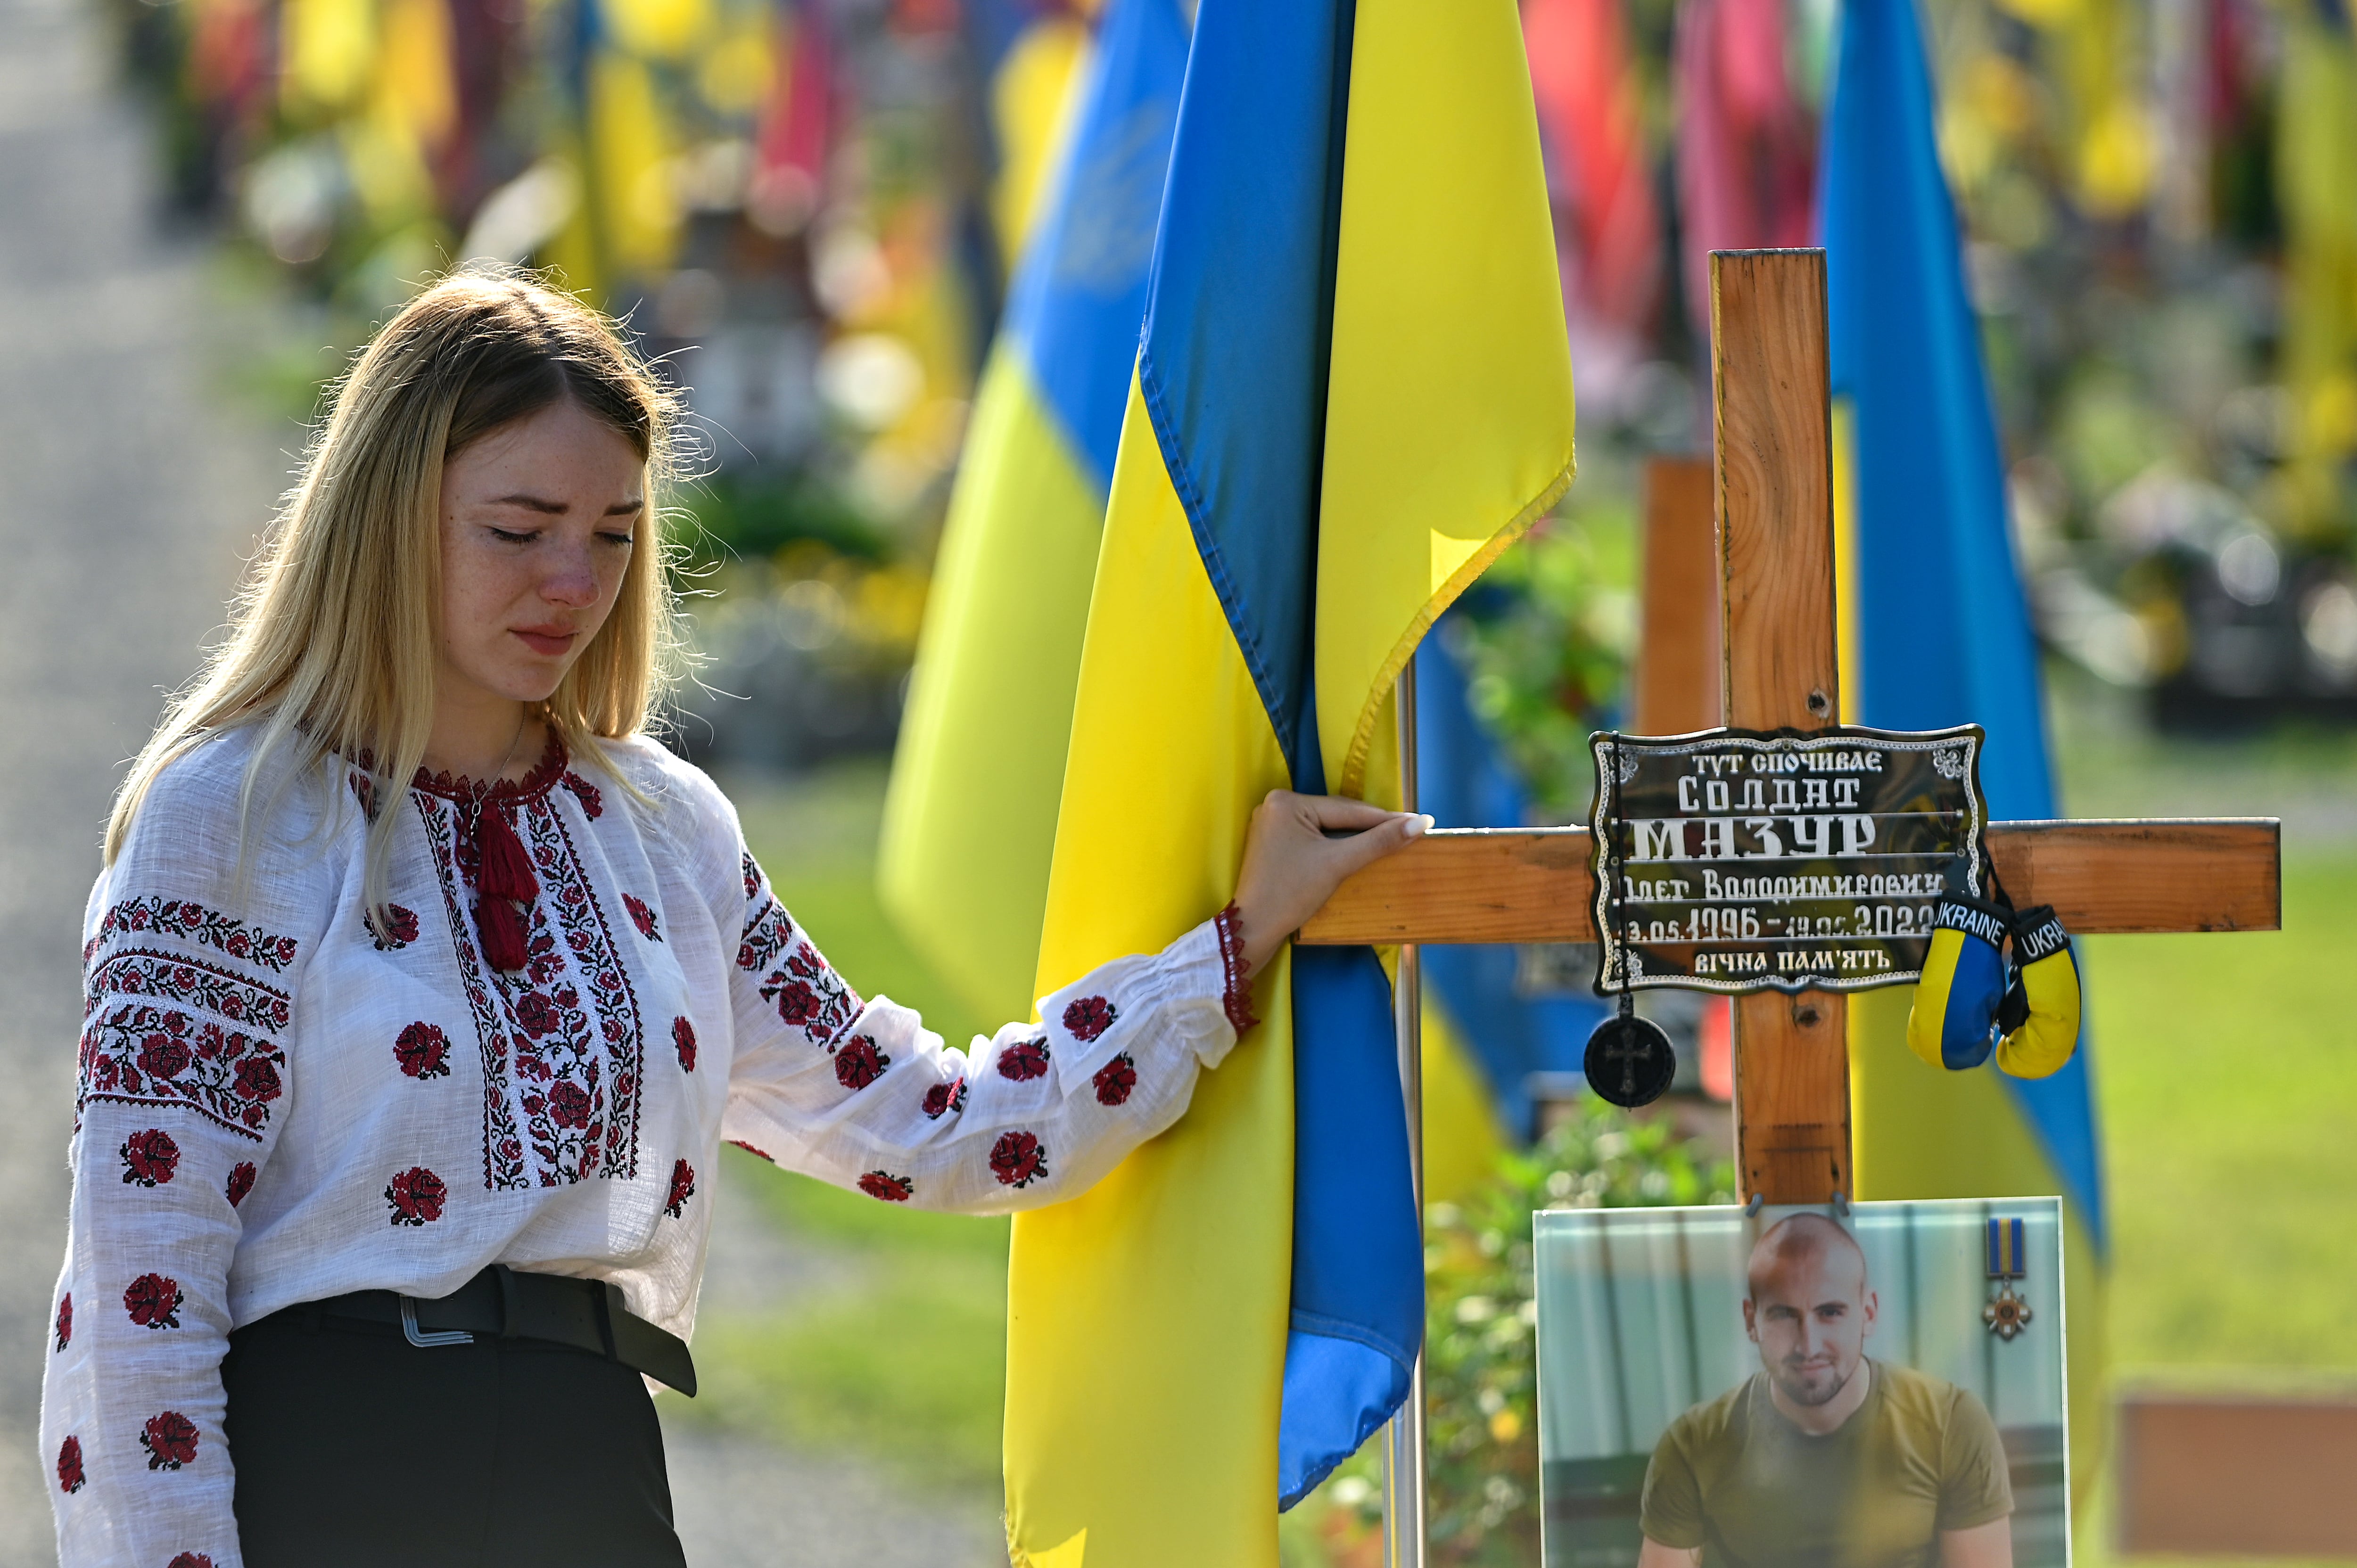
(355,1447)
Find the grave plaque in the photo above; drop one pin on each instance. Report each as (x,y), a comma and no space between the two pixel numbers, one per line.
(1737,860)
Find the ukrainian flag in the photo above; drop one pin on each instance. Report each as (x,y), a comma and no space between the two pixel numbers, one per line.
(1351,391)
(970,817)
(1935,631)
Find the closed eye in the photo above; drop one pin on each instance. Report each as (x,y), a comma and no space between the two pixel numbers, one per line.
(511,536)
(623,540)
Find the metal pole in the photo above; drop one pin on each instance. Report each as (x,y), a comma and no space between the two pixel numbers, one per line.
(1404,1451)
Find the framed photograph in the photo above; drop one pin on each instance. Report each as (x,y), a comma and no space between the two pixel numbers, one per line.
(1878,1386)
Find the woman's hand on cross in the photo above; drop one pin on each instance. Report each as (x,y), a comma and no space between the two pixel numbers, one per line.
(1298,851)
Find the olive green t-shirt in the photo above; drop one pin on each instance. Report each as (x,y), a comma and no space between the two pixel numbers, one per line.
(1739,1480)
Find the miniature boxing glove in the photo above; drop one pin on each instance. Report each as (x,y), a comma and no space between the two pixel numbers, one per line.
(2048,977)
(1954,1024)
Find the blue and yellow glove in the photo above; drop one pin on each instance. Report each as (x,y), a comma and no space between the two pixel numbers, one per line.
(2047,978)
(1954,1024)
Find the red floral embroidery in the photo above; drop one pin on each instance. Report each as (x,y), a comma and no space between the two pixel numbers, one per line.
(258,1080)
(683,1187)
(942,1097)
(149,1158)
(886,1186)
(569,1015)
(642,916)
(417,1195)
(241,1182)
(752,877)
(398,929)
(1024,1060)
(65,1320)
(859,1063)
(811,996)
(756,1154)
(1115,1079)
(185,918)
(1088,1017)
(608,1059)
(190,1560)
(138,972)
(569,1105)
(159,1055)
(766,935)
(154,1301)
(1235,990)
(70,1475)
(472,792)
(683,1039)
(593,804)
(170,1440)
(364,791)
(422,1051)
(540,1015)
(1017,1159)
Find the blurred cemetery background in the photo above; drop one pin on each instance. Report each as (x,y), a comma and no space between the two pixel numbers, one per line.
(809,209)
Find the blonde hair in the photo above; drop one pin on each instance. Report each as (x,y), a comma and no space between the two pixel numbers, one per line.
(331,641)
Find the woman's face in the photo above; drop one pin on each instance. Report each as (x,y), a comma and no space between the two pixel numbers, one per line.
(538,523)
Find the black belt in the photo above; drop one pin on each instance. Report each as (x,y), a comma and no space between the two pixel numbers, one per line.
(588,1315)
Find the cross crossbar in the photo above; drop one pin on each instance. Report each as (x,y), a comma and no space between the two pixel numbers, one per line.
(1535,884)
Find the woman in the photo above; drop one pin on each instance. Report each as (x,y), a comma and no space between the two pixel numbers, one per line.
(422,987)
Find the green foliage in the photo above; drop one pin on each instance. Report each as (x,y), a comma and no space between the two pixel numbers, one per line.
(1481,1355)
(734,516)
(1547,638)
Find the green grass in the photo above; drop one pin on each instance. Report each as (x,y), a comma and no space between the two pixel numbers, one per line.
(815,835)
(2224,1077)
(2228,1088)
(909,1366)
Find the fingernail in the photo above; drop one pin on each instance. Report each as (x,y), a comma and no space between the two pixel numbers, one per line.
(1418,826)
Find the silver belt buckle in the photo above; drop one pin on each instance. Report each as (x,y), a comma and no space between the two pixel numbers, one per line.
(423,1340)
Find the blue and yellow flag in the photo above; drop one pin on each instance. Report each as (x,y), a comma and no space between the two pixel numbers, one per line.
(1351,391)
(1935,631)
(970,818)
(1030,61)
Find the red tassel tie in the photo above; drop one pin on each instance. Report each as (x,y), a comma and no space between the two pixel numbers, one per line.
(503,880)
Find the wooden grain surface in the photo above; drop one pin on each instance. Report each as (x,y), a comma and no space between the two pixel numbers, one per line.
(1679,669)
(1496,884)
(2237,1477)
(2214,874)
(1770,398)
(1769,392)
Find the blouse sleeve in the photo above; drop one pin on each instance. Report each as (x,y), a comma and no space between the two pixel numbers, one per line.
(189,979)
(863,1095)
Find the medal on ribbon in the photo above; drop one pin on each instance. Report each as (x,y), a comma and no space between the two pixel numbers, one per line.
(2006,1313)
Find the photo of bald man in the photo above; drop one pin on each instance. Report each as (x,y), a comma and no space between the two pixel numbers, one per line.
(1825,1457)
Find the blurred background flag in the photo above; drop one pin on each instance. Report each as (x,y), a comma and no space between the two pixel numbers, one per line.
(1591,106)
(1744,153)
(970,820)
(1028,54)
(796,128)
(1935,631)
(1351,392)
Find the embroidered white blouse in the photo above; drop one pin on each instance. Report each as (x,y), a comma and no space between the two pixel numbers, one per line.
(281,1102)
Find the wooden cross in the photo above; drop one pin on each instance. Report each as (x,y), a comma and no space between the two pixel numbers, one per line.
(1773,487)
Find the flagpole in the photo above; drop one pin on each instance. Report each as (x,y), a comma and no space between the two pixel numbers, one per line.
(1403,1449)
